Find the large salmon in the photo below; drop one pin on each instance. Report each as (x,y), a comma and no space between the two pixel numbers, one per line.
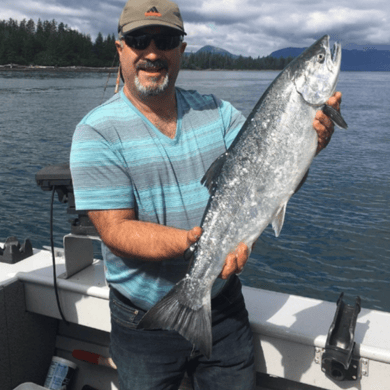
(251,184)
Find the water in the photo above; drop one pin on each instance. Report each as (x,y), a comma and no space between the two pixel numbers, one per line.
(336,234)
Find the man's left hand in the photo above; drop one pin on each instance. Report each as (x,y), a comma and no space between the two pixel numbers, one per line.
(323,124)
(235,261)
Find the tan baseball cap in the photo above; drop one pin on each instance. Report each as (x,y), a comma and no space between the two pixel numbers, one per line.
(142,13)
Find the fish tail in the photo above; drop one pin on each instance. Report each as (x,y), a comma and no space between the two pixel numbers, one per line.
(187,310)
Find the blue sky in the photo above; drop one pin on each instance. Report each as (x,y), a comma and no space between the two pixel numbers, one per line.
(246,27)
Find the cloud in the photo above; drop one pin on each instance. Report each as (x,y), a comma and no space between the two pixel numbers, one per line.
(89,17)
(250,28)
(244,27)
(222,12)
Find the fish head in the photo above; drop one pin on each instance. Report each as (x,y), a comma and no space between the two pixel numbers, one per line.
(316,71)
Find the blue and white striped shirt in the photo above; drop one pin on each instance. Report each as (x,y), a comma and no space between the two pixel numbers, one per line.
(119,159)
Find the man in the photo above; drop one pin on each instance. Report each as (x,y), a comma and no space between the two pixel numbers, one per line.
(136,162)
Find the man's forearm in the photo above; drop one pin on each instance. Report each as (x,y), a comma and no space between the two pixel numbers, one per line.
(147,241)
(144,240)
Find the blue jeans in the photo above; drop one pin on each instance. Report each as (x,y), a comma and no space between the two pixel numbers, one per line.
(158,359)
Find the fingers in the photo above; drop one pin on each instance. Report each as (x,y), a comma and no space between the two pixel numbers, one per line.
(323,125)
(242,256)
(324,128)
(230,266)
(193,235)
(335,100)
(324,122)
(235,261)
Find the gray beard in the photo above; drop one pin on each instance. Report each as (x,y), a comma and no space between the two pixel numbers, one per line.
(151,90)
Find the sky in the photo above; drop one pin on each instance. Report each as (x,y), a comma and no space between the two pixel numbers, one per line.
(243,27)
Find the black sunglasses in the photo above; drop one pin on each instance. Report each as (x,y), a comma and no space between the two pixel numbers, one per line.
(162,42)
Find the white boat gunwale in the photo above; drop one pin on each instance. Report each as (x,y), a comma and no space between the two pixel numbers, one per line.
(289,327)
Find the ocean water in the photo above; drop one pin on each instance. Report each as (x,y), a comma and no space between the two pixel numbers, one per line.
(337,228)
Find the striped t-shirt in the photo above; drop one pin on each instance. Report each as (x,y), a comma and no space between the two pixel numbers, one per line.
(119,159)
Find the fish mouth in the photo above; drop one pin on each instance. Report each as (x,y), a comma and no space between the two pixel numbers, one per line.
(336,53)
(333,63)
(333,54)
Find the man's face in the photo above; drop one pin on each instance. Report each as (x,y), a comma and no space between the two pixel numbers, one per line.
(151,71)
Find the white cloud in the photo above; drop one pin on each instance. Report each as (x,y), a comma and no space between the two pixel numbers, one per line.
(244,27)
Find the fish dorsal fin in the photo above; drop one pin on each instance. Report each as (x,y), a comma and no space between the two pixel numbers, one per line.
(277,222)
(210,178)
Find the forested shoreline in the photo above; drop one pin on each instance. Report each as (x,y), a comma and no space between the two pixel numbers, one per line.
(52,44)
(208,60)
(49,43)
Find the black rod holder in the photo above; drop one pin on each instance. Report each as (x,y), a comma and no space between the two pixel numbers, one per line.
(14,252)
(337,360)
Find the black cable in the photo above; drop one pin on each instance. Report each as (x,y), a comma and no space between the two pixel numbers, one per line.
(53,256)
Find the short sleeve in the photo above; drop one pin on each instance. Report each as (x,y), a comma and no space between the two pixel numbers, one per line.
(232,120)
(99,173)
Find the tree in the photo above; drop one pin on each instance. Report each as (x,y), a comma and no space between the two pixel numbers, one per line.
(53,43)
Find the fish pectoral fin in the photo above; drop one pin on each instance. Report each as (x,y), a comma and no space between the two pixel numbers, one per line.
(278,221)
(336,117)
(210,178)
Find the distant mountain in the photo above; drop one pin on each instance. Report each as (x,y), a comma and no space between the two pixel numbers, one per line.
(353,46)
(358,60)
(361,59)
(215,50)
(287,52)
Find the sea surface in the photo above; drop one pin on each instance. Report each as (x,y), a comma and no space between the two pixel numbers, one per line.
(336,235)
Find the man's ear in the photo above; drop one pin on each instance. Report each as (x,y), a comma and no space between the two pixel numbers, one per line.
(183,47)
(119,47)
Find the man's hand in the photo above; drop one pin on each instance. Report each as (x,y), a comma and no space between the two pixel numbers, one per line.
(235,261)
(323,124)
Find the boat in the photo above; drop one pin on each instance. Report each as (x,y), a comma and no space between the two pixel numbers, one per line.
(300,343)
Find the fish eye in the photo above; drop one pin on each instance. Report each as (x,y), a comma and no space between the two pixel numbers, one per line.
(321,58)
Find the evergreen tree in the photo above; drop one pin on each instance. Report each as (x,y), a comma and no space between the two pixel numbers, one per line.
(50,43)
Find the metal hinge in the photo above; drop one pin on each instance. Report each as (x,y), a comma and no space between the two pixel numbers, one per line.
(364,367)
(318,355)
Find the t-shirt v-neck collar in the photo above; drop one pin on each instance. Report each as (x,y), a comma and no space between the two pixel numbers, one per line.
(161,135)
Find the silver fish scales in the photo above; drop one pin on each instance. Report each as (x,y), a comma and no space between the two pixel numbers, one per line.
(251,184)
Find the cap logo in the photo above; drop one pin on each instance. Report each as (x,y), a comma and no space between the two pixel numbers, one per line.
(152,12)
